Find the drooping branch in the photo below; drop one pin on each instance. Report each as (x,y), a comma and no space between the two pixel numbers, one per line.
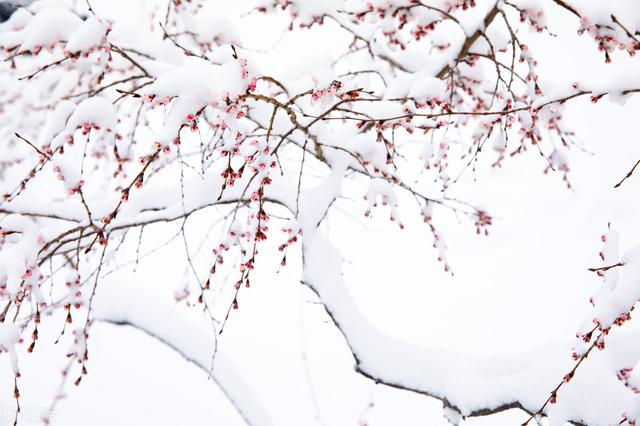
(188,338)
(194,345)
(472,386)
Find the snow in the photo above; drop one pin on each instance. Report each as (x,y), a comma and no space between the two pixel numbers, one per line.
(452,416)
(49,26)
(18,267)
(212,26)
(427,89)
(9,337)
(468,383)
(383,190)
(625,10)
(306,10)
(371,152)
(624,295)
(94,114)
(90,34)
(194,87)
(56,122)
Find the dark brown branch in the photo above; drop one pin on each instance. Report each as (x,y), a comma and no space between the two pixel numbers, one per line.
(552,397)
(606,268)
(45,155)
(471,40)
(41,69)
(617,185)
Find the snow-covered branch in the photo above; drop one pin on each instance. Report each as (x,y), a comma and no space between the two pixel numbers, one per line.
(189,339)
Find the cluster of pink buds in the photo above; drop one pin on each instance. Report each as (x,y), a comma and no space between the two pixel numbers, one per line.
(624,317)
(483,221)
(75,294)
(219,250)
(34,334)
(380,188)
(258,221)
(103,48)
(630,377)
(567,377)
(559,162)
(554,122)
(261,163)
(38,48)
(233,111)
(87,127)
(78,349)
(459,4)
(253,81)
(386,14)
(166,149)
(72,187)
(420,31)
(607,38)
(441,159)
(252,84)
(582,345)
(624,375)
(528,121)
(470,86)
(234,237)
(153,99)
(243,66)
(440,246)
(47,150)
(232,149)
(600,342)
(293,231)
(427,211)
(432,103)
(79,352)
(254,232)
(31,279)
(187,6)
(532,77)
(181,293)
(402,16)
(74,297)
(371,9)
(375,164)
(76,188)
(328,92)
(535,17)
(397,18)
(230,175)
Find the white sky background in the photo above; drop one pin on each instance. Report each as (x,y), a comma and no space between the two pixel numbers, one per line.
(525,285)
